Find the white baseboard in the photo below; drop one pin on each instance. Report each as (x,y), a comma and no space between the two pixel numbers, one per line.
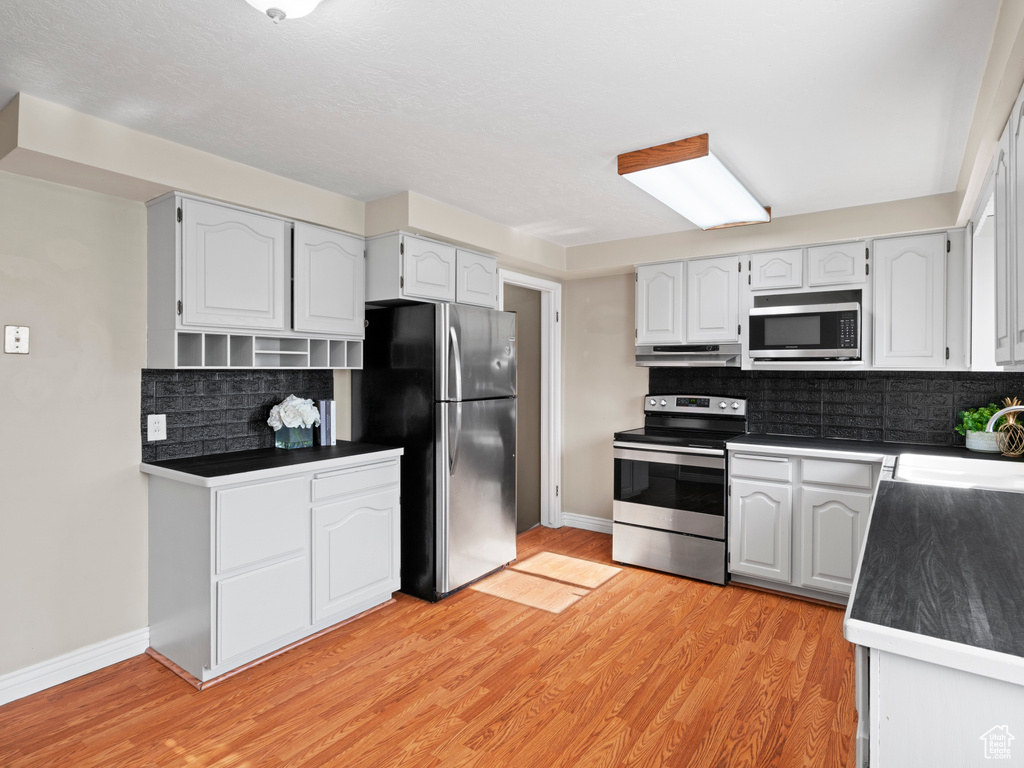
(587,522)
(47,674)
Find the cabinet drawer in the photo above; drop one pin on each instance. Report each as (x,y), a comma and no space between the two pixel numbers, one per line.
(762,467)
(848,473)
(355,479)
(260,521)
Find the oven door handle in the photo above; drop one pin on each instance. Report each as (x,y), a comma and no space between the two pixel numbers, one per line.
(678,459)
(652,448)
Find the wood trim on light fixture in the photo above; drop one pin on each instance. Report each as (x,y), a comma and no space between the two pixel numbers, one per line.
(664,154)
(744,223)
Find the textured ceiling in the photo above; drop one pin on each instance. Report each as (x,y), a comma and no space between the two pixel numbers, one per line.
(516,111)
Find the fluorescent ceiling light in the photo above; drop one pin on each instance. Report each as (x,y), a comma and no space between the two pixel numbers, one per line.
(285,9)
(689,179)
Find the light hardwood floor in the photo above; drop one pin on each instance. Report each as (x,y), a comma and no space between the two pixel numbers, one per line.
(643,669)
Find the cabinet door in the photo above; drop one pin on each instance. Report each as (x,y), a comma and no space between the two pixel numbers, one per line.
(328,285)
(1016,244)
(760,529)
(712,299)
(355,552)
(234,268)
(477,281)
(834,264)
(256,608)
(1005,267)
(910,302)
(428,269)
(659,304)
(777,269)
(832,525)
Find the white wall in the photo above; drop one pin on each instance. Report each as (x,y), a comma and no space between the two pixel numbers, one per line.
(73,565)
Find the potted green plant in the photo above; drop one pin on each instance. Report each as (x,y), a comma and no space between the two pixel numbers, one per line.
(972,426)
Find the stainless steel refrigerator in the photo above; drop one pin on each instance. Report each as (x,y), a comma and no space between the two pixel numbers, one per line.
(440,381)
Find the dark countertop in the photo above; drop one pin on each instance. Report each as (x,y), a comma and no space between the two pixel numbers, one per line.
(222,464)
(947,563)
(862,446)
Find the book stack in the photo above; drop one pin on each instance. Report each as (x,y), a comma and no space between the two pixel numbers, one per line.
(326,432)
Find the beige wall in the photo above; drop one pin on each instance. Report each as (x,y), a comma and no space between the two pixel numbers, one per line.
(603,388)
(73,565)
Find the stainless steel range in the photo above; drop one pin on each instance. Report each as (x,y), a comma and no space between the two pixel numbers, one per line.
(670,487)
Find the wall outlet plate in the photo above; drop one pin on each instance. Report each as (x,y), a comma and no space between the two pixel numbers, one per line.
(156,427)
(16,339)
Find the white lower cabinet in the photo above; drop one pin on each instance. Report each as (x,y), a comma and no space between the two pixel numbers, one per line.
(798,522)
(240,568)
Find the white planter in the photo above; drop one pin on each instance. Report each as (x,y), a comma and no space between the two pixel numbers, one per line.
(984,442)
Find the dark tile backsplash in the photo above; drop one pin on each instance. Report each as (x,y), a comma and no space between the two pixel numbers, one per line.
(891,406)
(212,412)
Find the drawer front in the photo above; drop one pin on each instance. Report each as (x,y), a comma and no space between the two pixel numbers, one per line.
(853,474)
(260,521)
(778,468)
(355,479)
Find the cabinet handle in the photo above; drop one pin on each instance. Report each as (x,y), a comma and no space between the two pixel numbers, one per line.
(752,457)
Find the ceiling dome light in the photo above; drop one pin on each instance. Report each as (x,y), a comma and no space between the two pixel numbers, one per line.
(285,9)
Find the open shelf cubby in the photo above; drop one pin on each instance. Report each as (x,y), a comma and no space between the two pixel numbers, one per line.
(201,349)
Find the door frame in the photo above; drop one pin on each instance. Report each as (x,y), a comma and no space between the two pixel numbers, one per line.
(550,388)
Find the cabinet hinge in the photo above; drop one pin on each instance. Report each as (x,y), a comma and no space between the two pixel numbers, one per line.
(401,249)
(947,246)
(636,334)
(867,269)
(866,252)
(739,266)
(179,306)
(748,279)
(739,329)
(401,282)
(556,490)
(179,213)
(557,316)
(947,353)
(636,277)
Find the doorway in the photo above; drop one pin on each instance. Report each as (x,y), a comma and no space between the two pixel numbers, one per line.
(538,305)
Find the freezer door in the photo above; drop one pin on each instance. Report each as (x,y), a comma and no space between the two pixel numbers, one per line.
(477,351)
(476,510)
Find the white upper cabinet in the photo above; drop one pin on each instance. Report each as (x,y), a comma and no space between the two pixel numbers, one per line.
(477,279)
(910,301)
(234,271)
(400,266)
(328,282)
(1016,274)
(1004,267)
(836,264)
(428,269)
(777,269)
(659,303)
(712,299)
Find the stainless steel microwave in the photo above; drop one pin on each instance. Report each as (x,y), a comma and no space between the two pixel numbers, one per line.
(808,331)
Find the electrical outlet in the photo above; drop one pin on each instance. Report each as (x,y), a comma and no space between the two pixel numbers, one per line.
(16,339)
(157,427)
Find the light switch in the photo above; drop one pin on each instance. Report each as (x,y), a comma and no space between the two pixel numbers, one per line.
(157,427)
(16,339)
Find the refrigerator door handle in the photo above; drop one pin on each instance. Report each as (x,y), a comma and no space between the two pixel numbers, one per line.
(453,443)
(454,341)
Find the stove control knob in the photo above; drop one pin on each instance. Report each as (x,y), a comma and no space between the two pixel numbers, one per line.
(653,401)
(722,404)
(663,403)
(735,406)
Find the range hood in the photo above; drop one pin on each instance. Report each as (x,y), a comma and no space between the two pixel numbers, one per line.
(688,355)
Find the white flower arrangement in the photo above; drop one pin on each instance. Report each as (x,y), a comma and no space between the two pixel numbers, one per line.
(294,412)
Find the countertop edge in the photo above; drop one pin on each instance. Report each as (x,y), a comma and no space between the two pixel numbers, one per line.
(966,658)
(262,474)
(831,453)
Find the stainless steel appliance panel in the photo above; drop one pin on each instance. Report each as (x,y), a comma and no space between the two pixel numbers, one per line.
(476,352)
(476,518)
(669,552)
(678,520)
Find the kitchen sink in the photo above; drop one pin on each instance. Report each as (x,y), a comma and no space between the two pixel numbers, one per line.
(960,472)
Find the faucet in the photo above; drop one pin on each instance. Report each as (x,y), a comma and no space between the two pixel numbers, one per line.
(998,414)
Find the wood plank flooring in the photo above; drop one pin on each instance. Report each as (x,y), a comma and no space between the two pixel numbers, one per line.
(644,669)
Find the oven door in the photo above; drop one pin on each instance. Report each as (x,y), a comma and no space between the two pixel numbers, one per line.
(670,489)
